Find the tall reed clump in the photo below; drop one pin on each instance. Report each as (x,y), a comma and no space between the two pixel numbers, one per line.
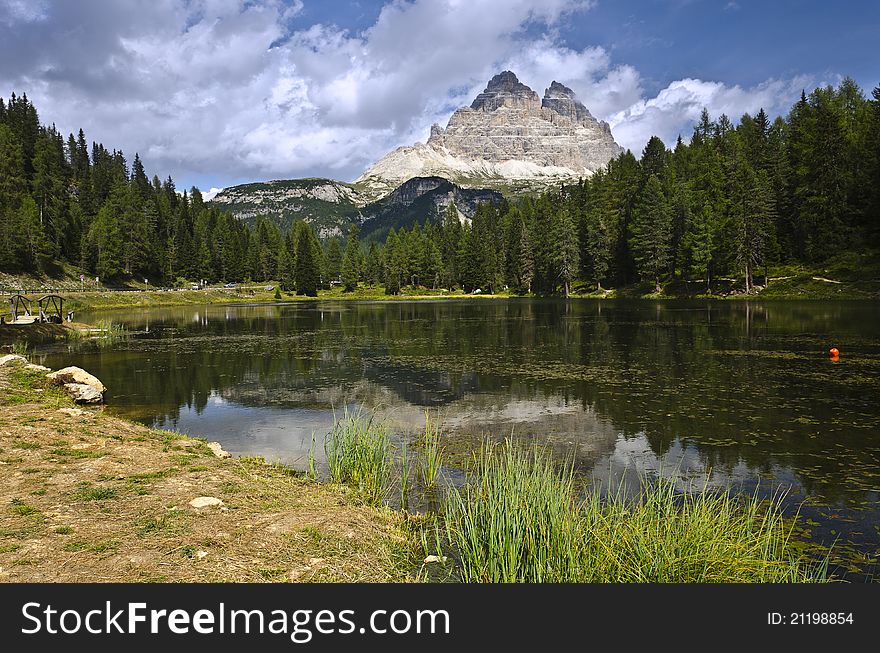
(111,332)
(404,476)
(432,453)
(21,348)
(358,454)
(519,521)
(516,520)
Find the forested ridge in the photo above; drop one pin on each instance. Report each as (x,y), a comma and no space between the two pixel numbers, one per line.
(734,200)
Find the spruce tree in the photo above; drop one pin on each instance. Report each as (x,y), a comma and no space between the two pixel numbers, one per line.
(651,232)
(351,261)
(566,257)
(373,266)
(699,242)
(333,252)
(306,273)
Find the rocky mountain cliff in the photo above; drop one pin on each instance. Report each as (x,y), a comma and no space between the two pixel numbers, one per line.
(508,138)
(420,199)
(330,206)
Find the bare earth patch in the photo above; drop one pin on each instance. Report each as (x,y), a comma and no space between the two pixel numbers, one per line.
(89,497)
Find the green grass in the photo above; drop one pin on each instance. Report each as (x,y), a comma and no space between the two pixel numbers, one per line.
(87,492)
(519,520)
(358,454)
(20,508)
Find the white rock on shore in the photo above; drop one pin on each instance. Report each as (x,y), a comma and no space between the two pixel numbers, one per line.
(76,375)
(205,502)
(217,449)
(83,393)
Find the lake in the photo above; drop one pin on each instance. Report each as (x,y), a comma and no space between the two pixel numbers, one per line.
(735,394)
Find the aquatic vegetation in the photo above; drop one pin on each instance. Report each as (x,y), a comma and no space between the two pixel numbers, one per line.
(313,469)
(404,476)
(431,452)
(358,454)
(519,520)
(108,333)
(20,348)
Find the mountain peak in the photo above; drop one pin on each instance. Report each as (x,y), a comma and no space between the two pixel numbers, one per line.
(504,90)
(508,136)
(561,99)
(559,90)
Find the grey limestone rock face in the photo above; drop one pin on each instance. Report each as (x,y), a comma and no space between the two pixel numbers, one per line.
(508,133)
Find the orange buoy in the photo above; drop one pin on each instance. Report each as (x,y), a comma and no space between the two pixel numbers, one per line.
(835,353)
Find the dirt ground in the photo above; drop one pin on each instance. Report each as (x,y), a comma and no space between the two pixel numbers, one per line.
(88,497)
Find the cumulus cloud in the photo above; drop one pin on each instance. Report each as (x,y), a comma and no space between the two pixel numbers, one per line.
(237,90)
(677,108)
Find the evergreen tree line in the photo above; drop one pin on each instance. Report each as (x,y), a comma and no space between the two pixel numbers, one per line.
(734,200)
(62,201)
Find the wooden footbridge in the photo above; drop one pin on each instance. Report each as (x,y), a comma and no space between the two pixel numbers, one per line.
(49,308)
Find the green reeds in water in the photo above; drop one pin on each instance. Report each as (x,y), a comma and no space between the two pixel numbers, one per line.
(515,521)
(313,468)
(21,348)
(519,520)
(110,332)
(358,454)
(404,476)
(432,453)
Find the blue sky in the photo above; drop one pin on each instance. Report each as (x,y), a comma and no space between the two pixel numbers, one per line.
(218,92)
(739,42)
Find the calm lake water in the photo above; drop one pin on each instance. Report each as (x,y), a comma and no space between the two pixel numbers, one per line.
(735,394)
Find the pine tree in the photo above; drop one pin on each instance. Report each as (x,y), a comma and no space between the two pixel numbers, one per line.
(754,213)
(651,232)
(13,189)
(699,242)
(287,262)
(518,263)
(306,273)
(449,242)
(602,223)
(566,250)
(351,261)
(431,264)
(395,271)
(107,238)
(334,259)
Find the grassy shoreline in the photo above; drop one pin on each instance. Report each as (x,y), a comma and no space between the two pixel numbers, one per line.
(850,276)
(90,497)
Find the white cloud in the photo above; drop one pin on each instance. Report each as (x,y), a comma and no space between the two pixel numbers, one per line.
(25,11)
(210,194)
(677,108)
(226,90)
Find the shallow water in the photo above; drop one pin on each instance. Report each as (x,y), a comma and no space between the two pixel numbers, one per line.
(739,394)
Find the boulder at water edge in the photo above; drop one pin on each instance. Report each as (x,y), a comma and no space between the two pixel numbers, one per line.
(83,393)
(76,375)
